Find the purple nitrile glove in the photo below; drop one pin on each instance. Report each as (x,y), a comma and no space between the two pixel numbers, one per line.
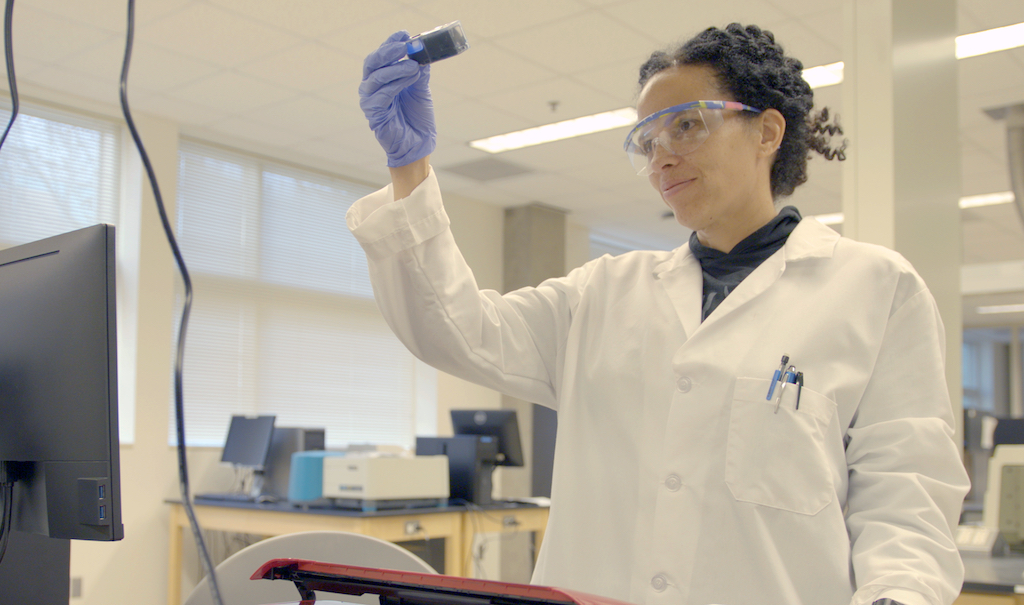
(395,98)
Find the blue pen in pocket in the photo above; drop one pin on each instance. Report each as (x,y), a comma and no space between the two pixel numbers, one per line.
(777,376)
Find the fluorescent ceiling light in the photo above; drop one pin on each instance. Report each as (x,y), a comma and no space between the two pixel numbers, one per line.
(557,131)
(970,201)
(990,41)
(824,75)
(829,219)
(987,199)
(1000,309)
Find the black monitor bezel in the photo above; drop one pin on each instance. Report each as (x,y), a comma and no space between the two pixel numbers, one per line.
(500,424)
(71,278)
(241,431)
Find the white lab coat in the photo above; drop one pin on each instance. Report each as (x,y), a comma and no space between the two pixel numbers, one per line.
(675,480)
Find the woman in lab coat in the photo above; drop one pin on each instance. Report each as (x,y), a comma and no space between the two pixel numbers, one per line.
(758,417)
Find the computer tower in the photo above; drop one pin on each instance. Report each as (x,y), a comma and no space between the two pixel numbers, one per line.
(471,460)
(285,442)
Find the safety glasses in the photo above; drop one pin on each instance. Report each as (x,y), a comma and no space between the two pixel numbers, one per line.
(678,129)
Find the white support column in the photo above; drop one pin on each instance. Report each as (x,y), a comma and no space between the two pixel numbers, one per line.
(901,181)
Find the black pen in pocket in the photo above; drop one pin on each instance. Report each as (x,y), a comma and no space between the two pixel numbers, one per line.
(799,387)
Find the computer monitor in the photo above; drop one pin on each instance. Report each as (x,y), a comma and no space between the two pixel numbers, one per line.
(500,424)
(58,386)
(248,441)
(247,446)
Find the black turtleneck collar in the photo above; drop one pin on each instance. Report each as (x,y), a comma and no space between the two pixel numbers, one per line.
(723,271)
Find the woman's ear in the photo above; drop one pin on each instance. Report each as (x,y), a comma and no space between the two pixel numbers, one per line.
(773,128)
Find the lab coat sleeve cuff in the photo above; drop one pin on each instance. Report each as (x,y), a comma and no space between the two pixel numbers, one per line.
(385,227)
(868,595)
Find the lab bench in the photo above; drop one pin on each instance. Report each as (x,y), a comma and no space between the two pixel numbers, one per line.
(456,525)
(992,580)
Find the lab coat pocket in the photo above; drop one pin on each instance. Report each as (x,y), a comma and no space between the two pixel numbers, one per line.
(778,459)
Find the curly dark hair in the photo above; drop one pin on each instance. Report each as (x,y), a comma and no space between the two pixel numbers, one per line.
(753,68)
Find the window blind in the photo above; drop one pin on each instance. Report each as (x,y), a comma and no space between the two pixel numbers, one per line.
(58,172)
(283,318)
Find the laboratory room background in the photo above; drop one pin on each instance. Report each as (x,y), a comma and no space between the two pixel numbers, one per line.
(249,114)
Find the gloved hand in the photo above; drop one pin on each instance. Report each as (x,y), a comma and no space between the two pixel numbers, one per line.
(395,98)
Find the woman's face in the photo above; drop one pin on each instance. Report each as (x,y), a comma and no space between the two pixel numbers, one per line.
(723,186)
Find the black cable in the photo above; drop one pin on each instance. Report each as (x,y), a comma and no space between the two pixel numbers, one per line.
(179,406)
(11,80)
(7,500)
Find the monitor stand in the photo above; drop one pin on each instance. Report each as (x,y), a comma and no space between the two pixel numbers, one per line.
(256,489)
(36,569)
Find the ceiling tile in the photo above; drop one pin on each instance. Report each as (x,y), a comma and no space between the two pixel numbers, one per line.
(805,9)
(78,84)
(991,73)
(569,99)
(24,68)
(827,26)
(211,34)
(551,45)
(361,38)
(184,112)
(308,18)
(451,151)
(484,193)
(247,130)
(232,90)
(356,147)
(344,93)
(308,67)
(487,170)
(618,79)
(556,156)
(332,157)
(998,236)
(966,22)
(986,14)
(305,114)
(156,69)
(489,19)
(51,38)
(806,45)
(108,15)
(151,68)
(671,23)
(486,69)
(547,188)
(471,120)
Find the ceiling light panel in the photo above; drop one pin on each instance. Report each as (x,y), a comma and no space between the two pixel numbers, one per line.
(557,131)
(993,309)
(990,41)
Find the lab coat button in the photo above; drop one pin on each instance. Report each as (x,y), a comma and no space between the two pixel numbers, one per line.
(673,483)
(659,583)
(684,384)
